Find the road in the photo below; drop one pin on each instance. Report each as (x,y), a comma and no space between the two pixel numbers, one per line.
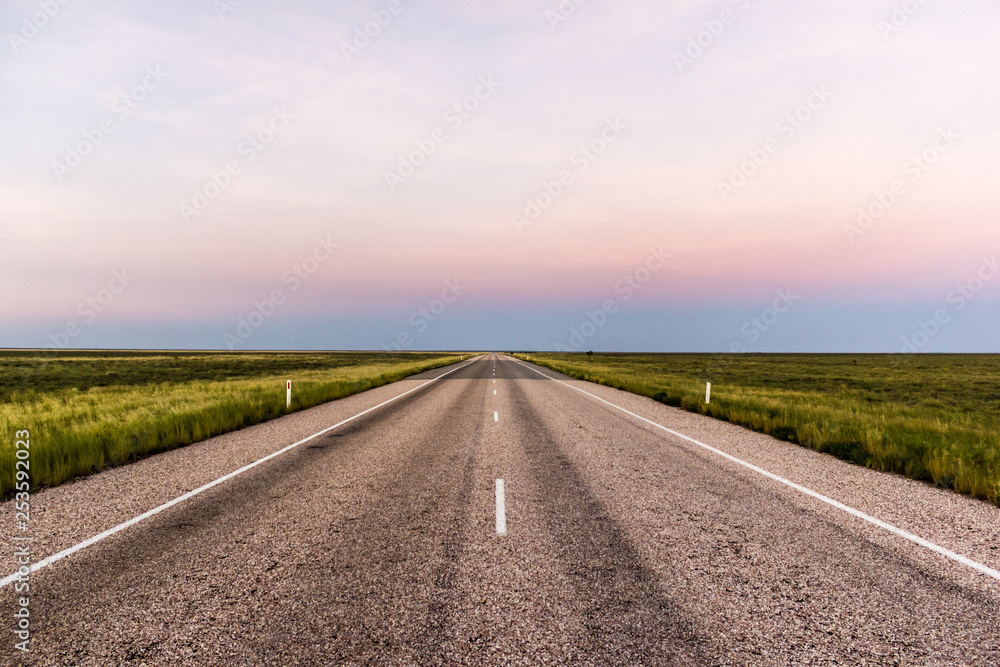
(377,543)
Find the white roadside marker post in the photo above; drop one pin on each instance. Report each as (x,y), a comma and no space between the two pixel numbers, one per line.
(288,395)
(708,393)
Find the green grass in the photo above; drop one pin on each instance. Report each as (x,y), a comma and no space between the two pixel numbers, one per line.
(87,411)
(934,418)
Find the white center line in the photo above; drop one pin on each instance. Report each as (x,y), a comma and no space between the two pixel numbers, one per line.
(190,494)
(501,509)
(496,416)
(947,553)
(494,392)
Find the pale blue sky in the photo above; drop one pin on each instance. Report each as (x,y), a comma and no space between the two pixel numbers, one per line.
(329,128)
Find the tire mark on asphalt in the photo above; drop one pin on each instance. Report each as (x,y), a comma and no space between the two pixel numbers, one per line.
(629,619)
(455,536)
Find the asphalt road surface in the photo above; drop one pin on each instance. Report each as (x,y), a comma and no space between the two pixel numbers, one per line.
(377,543)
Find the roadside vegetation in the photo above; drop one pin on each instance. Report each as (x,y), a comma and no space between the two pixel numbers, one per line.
(87,411)
(934,418)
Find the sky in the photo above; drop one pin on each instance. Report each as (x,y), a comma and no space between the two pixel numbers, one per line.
(693,176)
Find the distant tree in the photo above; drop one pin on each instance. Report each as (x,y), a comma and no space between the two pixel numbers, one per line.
(590,353)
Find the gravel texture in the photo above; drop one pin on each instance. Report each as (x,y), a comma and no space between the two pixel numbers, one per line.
(375,544)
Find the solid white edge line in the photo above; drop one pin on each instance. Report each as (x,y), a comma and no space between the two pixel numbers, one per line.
(916,539)
(190,494)
(501,509)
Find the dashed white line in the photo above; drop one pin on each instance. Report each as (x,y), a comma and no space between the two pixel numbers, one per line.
(190,494)
(496,416)
(906,535)
(501,509)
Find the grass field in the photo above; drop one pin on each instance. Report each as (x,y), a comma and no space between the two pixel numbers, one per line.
(90,410)
(934,418)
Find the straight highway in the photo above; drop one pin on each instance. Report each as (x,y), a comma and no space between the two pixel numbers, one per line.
(495,512)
